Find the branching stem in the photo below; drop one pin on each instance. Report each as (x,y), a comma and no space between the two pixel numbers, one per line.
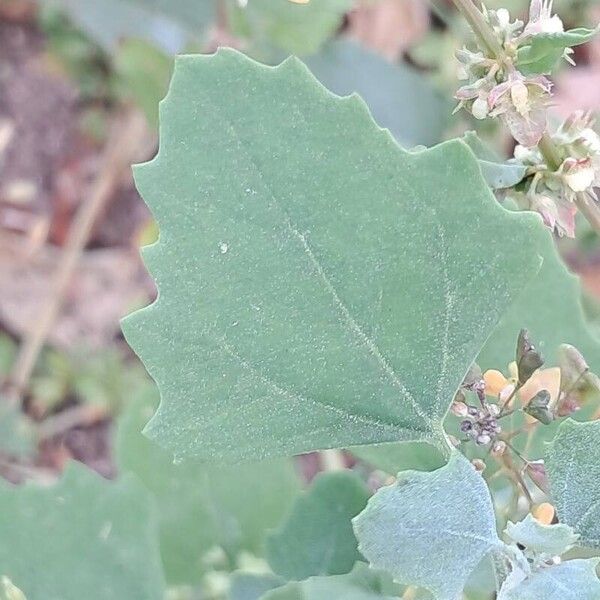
(480,27)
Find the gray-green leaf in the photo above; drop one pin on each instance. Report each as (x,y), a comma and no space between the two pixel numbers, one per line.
(543,539)
(571,580)
(430,529)
(573,468)
(317,537)
(317,288)
(83,537)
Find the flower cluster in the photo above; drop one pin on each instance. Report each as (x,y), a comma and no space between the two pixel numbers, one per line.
(553,193)
(542,394)
(506,77)
(496,87)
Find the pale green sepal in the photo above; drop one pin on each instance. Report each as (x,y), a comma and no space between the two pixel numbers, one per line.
(546,49)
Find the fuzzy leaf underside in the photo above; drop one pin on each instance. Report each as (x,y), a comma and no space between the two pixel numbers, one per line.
(319,286)
(317,537)
(80,538)
(571,580)
(430,529)
(573,467)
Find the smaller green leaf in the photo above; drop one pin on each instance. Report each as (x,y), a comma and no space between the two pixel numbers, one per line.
(546,49)
(143,75)
(202,507)
(362,583)
(393,458)
(295,28)
(573,467)
(543,539)
(83,537)
(252,586)
(317,538)
(571,580)
(446,514)
(498,174)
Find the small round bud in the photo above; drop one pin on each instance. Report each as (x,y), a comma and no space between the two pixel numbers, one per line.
(478,464)
(473,412)
(480,109)
(499,448)
(494,410)
(459,409)
(466,426)
(483,439)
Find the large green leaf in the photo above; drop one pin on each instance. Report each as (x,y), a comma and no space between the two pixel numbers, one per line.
(361,584)
(430,529)
(317,537)
(389,89)
(573,468)
(200,507)
(80,538)
(318,288)
(294,28)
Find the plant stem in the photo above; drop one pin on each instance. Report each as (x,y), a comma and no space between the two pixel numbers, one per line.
(122,147)
(589,210)
(480,27)
(550,152)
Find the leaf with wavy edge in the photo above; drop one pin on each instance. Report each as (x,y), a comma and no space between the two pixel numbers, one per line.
(319,286)
(573,467)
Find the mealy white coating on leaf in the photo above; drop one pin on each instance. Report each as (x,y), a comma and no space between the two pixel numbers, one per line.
(570,580)
(537,537)
(430,529)
(573,468)
(346,309)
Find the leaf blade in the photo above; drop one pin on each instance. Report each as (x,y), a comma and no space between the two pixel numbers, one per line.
(300,299)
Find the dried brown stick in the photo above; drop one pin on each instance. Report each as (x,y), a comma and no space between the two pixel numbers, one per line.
(125,142)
